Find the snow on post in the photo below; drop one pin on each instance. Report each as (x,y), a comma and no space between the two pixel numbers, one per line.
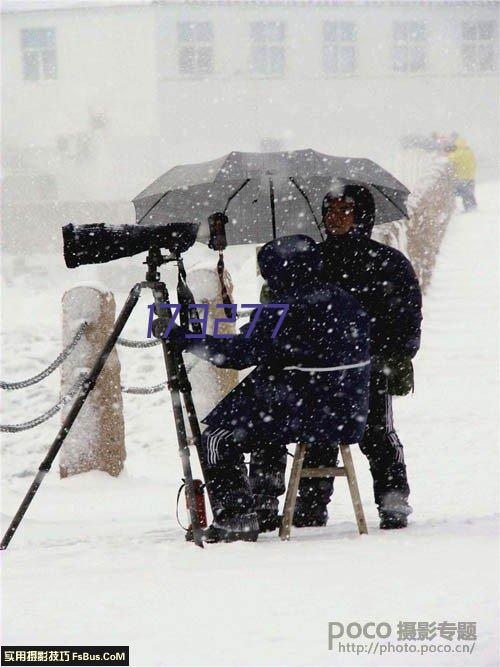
(96,440)
(210,384)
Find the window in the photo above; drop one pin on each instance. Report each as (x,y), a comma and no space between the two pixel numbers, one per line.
(267,56)
(478,46)
(38,47)
(339,47)
(196,54)
(409,46)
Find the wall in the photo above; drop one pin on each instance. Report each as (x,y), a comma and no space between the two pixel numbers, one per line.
(105,67)
(120,63)
(364,114)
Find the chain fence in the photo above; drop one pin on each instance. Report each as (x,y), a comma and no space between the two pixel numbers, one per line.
(25,426)
(10,386)
(32,423)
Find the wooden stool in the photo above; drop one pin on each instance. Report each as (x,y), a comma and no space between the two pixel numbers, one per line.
(298,472)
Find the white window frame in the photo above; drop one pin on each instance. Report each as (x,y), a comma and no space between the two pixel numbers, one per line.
(38,54)
(474,45)
(196,50)
(412,46)
(337,46)
(267,52)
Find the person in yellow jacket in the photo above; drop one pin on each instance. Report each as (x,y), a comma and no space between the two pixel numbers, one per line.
(463,162)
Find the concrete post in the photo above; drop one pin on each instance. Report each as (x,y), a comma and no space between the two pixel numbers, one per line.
(211,384)
(97,438)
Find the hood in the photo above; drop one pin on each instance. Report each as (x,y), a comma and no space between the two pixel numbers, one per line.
(364,210)
(289,262)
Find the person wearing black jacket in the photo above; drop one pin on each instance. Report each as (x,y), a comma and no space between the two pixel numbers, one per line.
(383,281)
(310,384)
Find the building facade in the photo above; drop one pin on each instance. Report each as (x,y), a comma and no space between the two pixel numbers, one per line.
(99,98)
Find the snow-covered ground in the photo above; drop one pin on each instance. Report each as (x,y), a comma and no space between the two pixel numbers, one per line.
(102,561)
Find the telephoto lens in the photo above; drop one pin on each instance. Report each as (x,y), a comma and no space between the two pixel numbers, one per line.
(99,243)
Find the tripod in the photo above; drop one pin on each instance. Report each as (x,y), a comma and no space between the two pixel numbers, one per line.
(178,385)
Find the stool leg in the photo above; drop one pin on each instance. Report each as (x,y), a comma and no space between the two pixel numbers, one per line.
(291,492)
(353,488)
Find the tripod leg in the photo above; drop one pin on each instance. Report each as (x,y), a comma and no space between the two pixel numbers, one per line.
(85,390)
(186,298)
(172,365)
(185,387)
(194,424)
(176,374)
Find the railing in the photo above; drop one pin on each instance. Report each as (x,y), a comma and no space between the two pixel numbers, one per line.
(430,206)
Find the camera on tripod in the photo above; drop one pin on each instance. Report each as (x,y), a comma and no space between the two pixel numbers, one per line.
(99,243)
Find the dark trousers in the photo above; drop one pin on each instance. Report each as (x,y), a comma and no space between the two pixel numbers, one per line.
(232,491)
(229,488)
(380,444)
(226,476)
(465,190)
(383,448)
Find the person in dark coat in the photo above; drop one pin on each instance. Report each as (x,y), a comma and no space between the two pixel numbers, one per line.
(383,281)
(309,384)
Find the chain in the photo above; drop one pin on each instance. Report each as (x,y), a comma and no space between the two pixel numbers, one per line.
(10,386)
(144,390)
(155,388)
(16,428)
(138,343)
(25,426)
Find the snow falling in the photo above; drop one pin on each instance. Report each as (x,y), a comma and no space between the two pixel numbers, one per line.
(100,101)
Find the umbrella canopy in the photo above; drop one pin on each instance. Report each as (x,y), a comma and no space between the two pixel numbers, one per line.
(265,195)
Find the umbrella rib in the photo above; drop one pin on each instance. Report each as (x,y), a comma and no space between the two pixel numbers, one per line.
(152,207)
(238,190)
(292,179)
(392,202)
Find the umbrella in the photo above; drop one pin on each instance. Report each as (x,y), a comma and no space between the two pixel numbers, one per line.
(265,195)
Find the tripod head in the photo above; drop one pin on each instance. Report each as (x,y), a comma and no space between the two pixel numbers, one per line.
(155,259)
(185,297)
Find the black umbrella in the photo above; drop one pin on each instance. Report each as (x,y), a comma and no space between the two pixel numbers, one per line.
(265,195)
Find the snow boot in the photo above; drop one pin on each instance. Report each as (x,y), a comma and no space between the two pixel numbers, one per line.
(268,520)
(393,520)
(244,528)
(394,511)
(307,516)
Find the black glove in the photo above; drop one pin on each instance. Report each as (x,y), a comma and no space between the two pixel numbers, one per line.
(399,372)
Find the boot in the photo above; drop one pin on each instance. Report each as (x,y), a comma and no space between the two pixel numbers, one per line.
(269,520)
(394,511)
(392,520)
(243,528)
(307,515)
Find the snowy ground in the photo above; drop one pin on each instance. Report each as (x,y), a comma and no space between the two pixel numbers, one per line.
(102,561)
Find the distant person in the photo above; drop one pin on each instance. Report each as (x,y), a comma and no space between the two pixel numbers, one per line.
(439,142)
(462,159)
